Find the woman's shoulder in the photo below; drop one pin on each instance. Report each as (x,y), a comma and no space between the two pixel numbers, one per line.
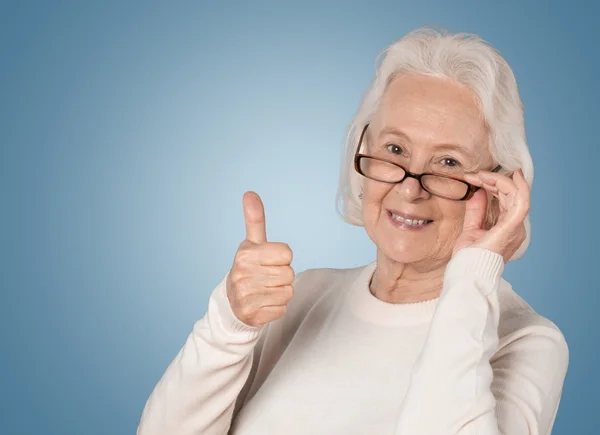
(522,329)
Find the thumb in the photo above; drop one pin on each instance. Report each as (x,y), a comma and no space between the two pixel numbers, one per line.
(476,209)
(254,215)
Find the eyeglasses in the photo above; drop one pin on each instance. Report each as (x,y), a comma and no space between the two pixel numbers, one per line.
(386,171)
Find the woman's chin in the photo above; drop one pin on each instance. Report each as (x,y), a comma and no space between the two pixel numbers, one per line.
(405,246)
(406,252)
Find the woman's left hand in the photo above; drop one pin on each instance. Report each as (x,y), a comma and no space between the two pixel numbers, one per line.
(508,233)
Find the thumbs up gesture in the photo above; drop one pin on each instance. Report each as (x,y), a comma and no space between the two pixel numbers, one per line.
(259,285)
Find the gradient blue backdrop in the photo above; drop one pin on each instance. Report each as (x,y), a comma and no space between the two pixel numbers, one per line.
(129,133)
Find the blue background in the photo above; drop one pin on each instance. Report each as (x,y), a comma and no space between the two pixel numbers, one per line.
(129,133)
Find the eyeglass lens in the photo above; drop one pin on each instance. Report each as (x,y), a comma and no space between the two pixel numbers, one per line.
(390,173)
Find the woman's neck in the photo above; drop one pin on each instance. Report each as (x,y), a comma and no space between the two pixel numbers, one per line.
(399,283)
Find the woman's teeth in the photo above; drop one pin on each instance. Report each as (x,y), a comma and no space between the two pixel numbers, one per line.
(411,221)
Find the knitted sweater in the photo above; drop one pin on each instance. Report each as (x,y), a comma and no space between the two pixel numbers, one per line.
(477,360)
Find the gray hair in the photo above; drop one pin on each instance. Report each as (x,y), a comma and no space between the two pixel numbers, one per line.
(468,60)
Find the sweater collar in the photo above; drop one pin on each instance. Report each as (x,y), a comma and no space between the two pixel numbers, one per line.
(365,305)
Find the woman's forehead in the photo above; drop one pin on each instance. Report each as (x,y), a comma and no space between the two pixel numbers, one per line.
(426,110)
(439,89)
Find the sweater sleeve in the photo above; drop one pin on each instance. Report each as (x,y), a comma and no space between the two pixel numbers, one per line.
(198,391)
(459,386)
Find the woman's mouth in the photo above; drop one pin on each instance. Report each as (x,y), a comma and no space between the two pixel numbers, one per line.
(404,222)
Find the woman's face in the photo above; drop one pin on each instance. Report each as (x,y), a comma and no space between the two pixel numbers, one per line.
(426,124)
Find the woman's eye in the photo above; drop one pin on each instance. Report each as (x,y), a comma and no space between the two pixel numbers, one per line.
(452,163)
(395,149)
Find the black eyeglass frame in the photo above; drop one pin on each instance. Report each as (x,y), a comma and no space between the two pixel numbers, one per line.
(471,189)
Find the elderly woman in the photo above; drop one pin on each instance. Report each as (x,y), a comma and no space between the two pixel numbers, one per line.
(428,339)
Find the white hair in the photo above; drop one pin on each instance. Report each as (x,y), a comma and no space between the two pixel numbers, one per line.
(468,60)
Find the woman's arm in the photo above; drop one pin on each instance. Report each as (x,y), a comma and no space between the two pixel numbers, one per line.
(455,390)
(198,391)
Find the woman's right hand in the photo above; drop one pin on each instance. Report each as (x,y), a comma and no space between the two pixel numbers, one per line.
(259,285)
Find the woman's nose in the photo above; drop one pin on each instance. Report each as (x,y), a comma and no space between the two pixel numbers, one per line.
(410,190)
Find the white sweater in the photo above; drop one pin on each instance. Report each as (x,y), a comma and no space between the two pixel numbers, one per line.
(478,360)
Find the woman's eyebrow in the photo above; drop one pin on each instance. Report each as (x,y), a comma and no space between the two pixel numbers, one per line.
(454,147)
(395,132)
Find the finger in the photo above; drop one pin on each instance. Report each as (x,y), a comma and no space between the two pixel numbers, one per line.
(275,254)
(511,197)
(493,190)
(272,296)
(523,197)
(521,182)
(276,276)
(277,296)
(475,212)
(506,186)
(503,200)
(488,187)
(476,181)
(270,313)
(501,182)
(473,179)
(254,215)
(515,193)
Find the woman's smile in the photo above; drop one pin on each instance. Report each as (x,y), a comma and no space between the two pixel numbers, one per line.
(405,222)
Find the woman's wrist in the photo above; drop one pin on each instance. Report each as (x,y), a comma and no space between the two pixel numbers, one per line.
(475,263)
